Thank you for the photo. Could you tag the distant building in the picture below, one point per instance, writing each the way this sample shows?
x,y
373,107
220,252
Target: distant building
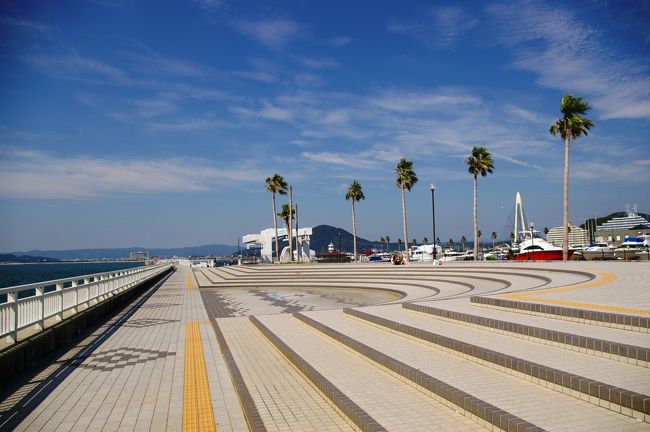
x,y
139,256
617,229
577,236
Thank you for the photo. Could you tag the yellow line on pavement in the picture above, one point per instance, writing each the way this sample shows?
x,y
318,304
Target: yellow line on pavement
x,y
189,280
197,402
604,278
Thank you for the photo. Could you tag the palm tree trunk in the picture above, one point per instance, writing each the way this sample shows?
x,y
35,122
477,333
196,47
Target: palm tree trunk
x,y
475,219
354,230
565,231
275,225
290,223
406,243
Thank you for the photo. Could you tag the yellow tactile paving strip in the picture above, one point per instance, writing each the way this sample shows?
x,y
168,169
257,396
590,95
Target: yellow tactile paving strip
x,y
604,278
197,403
190,284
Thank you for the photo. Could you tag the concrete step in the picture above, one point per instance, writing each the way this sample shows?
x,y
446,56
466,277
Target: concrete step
x,y
280,393
373,398
595,317
627,347
520,398
603,382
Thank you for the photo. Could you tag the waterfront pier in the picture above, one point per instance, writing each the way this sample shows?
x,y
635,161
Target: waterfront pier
x,y
372,347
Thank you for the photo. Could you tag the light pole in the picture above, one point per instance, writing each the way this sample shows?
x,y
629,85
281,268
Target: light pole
x,y
433,217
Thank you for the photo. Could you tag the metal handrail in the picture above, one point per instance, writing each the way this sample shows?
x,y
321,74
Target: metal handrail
x,y
42,309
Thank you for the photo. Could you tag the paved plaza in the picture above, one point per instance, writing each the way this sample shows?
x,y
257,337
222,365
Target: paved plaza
x,y
337,347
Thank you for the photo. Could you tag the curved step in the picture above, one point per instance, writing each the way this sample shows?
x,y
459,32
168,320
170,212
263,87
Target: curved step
x,y
562,370
279,391
358,389
577,340
616,320
521,398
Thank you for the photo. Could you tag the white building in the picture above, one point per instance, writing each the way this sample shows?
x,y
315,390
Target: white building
x,y
577,236
266,239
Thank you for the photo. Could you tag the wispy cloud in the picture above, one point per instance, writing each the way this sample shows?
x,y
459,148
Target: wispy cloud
x,y
318,63
256,76
569,55
77,67
440,28
272,33
155,64
341,159
340,41
26,24
37,175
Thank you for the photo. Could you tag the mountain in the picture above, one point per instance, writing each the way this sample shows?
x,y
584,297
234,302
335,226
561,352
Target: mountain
x,y
11,258
118,253
322,235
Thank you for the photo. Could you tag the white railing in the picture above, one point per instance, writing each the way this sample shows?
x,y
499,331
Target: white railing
x,y
52,301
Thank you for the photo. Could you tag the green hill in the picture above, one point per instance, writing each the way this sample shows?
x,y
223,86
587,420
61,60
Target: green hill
x,y
322,235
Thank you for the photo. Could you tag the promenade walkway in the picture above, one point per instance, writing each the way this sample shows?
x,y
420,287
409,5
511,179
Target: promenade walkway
x,y
465,346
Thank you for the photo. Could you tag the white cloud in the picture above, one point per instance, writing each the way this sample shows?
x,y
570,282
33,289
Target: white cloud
x,y
416,101
272,33
441,28
37,175
569,55
360,160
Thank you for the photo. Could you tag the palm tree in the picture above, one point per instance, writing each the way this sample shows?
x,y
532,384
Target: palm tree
x,y
425,240
462,242
437,240
387,244
381,242
451,244
406,178
399,244
276,184
479,235
494,237
571,125
478,162
545,230
354,193
285,215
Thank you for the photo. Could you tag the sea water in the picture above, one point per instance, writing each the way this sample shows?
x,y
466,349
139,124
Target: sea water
x,y
20,274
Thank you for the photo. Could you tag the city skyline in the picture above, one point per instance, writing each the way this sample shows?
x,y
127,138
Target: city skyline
x,y
144,123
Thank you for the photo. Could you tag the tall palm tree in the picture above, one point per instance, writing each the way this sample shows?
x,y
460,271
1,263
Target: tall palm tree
x,y
494,237
285,215
399,244
425,241
451,244
570,126
462,242
276,184
381,242
406,178
354,193
387,244
478,162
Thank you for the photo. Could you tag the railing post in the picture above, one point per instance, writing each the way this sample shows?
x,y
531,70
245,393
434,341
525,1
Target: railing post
x,y
40,292
12,297
75,286
59,313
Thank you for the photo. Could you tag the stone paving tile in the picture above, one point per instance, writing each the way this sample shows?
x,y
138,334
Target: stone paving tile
x,y
518,397
280,392
134,379
394,404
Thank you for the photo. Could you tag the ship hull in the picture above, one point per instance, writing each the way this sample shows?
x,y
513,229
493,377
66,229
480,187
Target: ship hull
x,y
542,255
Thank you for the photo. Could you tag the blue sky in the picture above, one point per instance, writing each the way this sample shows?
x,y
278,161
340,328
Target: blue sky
x,y
155,123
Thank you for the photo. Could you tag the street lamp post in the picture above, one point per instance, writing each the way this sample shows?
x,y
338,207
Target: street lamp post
x,y
433,217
